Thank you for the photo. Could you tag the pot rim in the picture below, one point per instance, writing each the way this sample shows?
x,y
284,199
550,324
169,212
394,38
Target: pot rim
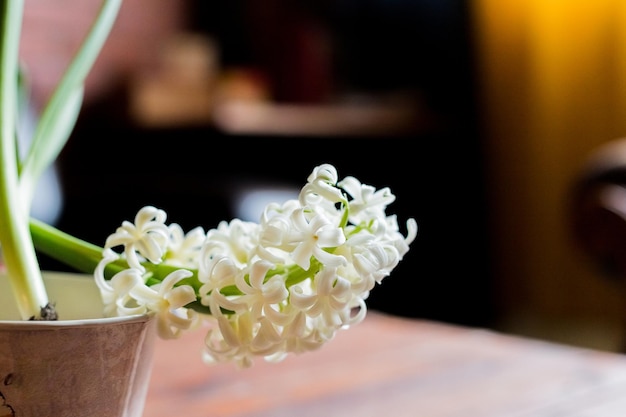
x,y
34,324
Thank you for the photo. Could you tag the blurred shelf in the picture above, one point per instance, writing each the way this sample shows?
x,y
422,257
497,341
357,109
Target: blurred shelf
x,y
319,120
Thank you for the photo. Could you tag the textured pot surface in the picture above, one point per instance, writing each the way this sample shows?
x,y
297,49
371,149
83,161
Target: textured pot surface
x,y
82,365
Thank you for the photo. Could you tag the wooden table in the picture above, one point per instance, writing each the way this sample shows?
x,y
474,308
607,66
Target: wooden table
x,y
394,367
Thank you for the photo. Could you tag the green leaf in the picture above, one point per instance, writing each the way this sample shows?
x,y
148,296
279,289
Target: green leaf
x,y
17,247
60,113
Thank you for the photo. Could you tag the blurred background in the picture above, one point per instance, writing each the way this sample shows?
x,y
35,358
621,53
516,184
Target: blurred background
x,y
477,114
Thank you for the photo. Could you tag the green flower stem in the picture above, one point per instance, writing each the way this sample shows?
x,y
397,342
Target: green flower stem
x,y
73,252
295,274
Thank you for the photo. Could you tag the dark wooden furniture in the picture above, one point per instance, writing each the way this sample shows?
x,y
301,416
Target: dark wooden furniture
x,y
389,366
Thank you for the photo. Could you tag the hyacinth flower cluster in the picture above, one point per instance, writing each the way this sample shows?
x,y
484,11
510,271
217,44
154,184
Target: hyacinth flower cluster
x,y
283,285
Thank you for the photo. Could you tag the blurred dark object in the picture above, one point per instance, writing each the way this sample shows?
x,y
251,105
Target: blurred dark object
x,y
598,213
598,209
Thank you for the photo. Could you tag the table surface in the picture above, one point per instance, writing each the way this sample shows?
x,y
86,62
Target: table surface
x,y
390,366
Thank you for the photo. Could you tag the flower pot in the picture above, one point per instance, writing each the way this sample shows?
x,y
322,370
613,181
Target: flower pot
x,y
82,365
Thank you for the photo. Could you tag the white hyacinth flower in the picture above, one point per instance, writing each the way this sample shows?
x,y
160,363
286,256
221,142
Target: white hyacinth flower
x,y
148,237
